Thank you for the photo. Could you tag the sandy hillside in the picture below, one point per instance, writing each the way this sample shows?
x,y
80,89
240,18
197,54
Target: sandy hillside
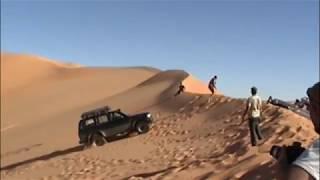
x,y
190,139
31,83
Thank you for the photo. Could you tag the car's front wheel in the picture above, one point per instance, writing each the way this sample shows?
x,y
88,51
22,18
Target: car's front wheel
x,y
142,127
98,140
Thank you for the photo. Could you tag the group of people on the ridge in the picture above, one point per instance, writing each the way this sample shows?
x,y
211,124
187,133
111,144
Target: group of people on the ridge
x,y
305,165
279,102
299,103
302,102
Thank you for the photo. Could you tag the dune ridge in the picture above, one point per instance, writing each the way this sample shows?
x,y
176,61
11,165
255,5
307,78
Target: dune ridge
x,y
194,85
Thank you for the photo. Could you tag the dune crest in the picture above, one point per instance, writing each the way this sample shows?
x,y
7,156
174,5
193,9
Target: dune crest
x,y
34,59
194,85
18,70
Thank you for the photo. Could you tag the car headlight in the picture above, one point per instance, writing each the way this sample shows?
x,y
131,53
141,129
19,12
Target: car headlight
x,y
148,115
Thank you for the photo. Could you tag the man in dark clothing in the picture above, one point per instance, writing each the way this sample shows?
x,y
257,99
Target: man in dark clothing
x,y
212,86
180,90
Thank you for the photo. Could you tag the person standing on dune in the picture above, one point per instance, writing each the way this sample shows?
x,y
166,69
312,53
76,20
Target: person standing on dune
x,y
254,106
212,86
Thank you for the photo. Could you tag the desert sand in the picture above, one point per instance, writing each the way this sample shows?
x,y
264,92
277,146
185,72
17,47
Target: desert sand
x,y
41,103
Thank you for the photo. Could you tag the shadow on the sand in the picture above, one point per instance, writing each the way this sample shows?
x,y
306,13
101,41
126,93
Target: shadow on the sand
x,y
61,153
264,172
21,150
146,175
44,157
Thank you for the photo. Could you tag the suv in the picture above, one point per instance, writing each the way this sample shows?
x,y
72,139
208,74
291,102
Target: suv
x,y
97,125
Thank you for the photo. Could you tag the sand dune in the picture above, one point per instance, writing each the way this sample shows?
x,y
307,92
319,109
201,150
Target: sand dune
x,y
19,70
190,138
29,84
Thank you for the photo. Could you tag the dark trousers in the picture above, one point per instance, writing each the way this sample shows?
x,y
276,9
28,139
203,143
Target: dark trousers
x,y
211,88
255,132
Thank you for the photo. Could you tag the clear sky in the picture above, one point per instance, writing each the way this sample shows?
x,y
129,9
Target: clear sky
x,y
272,45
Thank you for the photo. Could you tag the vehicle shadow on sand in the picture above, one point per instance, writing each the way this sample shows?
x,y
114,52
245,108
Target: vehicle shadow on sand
x,y
44,157
149,174
264,172
64,152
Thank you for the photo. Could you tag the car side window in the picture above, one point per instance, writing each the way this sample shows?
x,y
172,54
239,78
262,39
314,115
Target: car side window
x,y
103,119
89,122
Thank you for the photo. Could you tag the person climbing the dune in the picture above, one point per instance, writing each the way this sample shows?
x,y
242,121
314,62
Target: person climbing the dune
x,y
253,107
180,90
212,86
306,165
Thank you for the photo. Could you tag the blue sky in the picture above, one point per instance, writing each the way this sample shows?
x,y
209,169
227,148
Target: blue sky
x,y
272,45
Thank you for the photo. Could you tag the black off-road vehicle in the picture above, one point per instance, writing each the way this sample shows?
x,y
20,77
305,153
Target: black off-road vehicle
x,y
96,126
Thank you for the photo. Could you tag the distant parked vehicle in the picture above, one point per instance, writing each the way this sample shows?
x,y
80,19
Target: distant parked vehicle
x,y
96,126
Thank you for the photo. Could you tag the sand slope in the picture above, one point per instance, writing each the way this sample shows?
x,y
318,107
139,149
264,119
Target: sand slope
x,y
30,84
190,138
19,70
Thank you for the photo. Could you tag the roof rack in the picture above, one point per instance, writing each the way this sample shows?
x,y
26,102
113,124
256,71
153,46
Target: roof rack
x,y
95,112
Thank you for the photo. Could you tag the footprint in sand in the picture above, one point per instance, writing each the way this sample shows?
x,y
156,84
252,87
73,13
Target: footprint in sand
x,y
182,109
194,99
211,104
228,162
8,127
299,129
195,108
240,174
191,102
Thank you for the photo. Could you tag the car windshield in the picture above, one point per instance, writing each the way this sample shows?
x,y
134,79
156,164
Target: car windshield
x,y
116,115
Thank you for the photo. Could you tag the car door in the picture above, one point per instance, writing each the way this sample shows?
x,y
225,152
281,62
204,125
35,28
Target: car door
x,y
86,127
119,123
104,122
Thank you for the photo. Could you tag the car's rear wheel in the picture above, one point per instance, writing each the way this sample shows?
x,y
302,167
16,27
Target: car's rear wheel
x,y
142,127
98,140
